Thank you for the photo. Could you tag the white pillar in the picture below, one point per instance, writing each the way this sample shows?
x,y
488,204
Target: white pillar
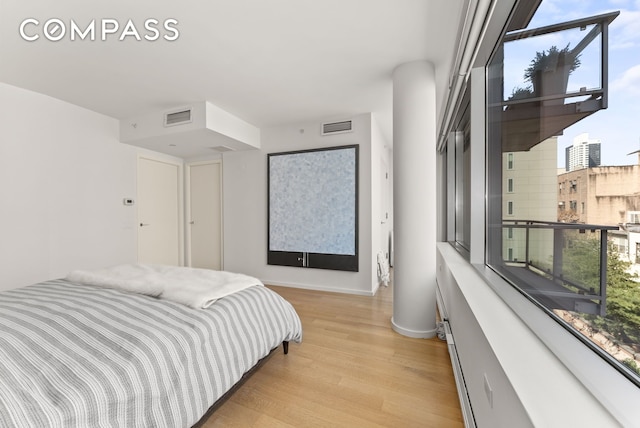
x,y
415,197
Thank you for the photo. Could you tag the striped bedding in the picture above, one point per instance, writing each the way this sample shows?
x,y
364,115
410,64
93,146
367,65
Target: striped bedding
x,y
75,355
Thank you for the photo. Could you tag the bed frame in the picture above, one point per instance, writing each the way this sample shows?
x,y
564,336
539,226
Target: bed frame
x,y
243,379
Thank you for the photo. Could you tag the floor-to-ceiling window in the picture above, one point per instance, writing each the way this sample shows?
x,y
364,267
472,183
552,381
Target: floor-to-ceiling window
x,y
562,84
549,87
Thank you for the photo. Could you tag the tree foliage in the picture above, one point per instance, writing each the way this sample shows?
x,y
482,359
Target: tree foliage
x,y
632,365
582,264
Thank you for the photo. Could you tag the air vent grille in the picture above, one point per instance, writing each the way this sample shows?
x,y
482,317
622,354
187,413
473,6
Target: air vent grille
x,y
337,127
221,149
177,118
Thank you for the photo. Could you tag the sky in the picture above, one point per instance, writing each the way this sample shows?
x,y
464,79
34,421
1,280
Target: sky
x,y
617,127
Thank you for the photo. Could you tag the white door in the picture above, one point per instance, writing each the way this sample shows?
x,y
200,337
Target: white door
x,y
158,212
205,210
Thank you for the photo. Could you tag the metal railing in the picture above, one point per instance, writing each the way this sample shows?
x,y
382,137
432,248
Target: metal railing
x,y
600,28
554,282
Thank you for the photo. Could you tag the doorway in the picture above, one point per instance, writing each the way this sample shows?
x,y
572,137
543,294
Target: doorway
x,y
159,219
204,228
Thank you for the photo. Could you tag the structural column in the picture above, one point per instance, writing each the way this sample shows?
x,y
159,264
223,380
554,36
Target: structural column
x,y
414,193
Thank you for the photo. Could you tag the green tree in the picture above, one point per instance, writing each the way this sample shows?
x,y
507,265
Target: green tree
x,y
582,265
581,260
632,365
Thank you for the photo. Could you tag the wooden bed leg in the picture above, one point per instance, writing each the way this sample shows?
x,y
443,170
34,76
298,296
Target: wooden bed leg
x,y
285,346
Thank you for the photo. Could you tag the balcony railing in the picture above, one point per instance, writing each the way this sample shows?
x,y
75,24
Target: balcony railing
x,y
535,256
563,84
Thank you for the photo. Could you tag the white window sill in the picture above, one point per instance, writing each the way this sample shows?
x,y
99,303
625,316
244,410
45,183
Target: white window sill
x,y
559,381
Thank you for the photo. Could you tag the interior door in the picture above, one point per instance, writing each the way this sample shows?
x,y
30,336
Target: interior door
x,y
205,210
158,212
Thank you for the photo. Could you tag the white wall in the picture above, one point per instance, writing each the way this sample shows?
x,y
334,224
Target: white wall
x,y
381,226
476,355
63,175
245,207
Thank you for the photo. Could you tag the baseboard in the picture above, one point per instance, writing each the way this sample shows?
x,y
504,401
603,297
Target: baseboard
x,y
463,395
320,288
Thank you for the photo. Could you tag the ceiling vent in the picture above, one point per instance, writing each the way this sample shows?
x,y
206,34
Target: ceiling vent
x,y
337,127
221,149
178,117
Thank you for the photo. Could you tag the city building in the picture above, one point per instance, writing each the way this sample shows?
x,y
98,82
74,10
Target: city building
x,y
529,193
584,153
602,195
608,196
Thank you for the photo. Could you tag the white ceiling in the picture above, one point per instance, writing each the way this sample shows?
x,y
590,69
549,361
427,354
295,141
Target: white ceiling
x,y
268,62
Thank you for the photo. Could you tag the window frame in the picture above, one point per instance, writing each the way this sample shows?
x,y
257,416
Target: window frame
x,y
494,95
611,388
459,138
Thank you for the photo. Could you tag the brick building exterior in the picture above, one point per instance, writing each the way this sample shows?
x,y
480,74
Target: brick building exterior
x,y
601,195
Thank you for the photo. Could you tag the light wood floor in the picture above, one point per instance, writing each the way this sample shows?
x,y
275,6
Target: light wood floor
x,y
351,370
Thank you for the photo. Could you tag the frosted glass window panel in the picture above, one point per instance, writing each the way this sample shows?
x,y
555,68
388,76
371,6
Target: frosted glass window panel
x,y
312,201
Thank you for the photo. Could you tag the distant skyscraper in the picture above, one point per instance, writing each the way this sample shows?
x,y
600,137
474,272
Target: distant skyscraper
x,y
584,153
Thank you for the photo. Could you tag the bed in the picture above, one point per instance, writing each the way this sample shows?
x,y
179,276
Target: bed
x,y
76,354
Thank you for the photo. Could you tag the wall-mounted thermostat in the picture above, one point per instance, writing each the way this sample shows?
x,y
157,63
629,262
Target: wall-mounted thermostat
x,y
127,201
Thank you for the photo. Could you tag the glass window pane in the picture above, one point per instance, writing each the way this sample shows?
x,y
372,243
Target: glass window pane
x,y
462,140
559,223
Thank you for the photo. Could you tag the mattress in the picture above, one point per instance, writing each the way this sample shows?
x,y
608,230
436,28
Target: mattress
x,y
75,355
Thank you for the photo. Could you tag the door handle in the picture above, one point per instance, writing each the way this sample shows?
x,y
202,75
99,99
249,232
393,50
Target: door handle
x,y
144,224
